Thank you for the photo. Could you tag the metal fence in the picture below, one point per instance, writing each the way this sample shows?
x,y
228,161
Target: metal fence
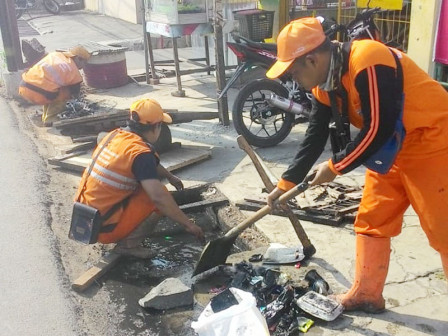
x,y
393,24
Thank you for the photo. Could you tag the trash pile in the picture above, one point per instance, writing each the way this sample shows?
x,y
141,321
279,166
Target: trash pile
x,y
76,108
287,308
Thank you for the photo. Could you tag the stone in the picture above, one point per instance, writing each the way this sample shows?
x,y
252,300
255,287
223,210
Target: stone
x,y
170,293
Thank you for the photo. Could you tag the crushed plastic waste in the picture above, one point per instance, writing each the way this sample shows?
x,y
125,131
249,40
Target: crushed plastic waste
x,y
316,282
277,297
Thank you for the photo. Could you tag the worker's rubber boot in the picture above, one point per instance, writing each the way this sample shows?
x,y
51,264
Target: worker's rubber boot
x,y
444,257
131,245
372,264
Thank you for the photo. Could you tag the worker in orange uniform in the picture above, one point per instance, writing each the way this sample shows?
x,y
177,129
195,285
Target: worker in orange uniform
x,y
127,173
54,80
402,117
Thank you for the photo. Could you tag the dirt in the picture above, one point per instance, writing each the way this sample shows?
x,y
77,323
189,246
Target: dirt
x,y
110,306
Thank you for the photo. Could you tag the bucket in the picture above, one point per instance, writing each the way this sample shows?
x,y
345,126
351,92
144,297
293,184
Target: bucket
x,y
106,70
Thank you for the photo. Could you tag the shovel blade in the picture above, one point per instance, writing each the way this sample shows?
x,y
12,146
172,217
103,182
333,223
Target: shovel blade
x,y
215,253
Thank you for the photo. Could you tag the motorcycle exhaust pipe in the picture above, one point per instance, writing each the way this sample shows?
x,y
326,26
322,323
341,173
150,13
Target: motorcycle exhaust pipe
x,y
286,105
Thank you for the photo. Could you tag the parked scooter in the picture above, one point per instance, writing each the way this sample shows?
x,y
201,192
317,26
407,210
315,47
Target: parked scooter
x,y
265,110
52,6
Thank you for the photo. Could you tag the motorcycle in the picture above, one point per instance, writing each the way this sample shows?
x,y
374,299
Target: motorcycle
x,y
52,6
265,110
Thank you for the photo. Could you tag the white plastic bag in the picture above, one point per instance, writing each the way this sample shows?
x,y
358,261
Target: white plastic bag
x,y
243,319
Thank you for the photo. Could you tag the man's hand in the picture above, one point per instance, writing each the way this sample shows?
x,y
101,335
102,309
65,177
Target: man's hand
x,y
273,196
196,231
175,182
323,174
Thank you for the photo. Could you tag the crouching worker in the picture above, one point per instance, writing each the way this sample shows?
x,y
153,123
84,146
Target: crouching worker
x,y
124,183
54,80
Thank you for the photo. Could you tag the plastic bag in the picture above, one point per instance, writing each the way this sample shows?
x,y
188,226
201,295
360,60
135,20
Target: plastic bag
x,y
242,319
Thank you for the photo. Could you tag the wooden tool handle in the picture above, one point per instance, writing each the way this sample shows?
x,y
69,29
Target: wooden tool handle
x,y
267,179
263,171
298,189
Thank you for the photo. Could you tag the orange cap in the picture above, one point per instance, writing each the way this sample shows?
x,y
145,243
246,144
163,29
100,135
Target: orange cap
x,y
79,51
149,112
298,38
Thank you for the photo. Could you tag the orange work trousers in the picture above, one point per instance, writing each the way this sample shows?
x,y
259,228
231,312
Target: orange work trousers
x,y
422,183
138,207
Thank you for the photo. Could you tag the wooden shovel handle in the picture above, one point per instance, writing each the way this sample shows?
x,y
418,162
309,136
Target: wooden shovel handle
x,y
263,171
298,189
268,179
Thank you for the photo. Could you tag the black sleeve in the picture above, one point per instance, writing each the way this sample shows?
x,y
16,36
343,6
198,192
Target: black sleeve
x,y
313,144
377,88
144,167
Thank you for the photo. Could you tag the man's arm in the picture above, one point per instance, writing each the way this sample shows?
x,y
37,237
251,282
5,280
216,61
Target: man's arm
x,y
173,179
146,170
313,144
165,203
309,151
377,88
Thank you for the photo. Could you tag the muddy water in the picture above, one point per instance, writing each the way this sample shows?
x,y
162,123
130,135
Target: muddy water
x,y
132,279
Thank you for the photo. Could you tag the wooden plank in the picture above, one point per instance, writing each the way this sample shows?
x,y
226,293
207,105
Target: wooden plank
x,y
79,147
95,272
123,115
195,206
303,215
172,160
88,138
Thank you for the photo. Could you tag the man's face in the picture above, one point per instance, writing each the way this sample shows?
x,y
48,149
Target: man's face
x,y
308,72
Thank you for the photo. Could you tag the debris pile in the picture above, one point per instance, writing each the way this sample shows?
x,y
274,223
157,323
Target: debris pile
x,y
288,307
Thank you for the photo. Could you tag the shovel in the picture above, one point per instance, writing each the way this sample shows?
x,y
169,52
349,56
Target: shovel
x,y
308,248
216,252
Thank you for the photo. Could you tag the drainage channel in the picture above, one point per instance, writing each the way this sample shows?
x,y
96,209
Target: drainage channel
x,y
131,279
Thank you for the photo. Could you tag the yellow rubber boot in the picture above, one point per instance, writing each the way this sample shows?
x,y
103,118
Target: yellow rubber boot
x,y
50,111
444,257
372,264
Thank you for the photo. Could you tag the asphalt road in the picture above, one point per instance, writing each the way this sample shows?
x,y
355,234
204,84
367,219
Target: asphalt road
x,y
33,297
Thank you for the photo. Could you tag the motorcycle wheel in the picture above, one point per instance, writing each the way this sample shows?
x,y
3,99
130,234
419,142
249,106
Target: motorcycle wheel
x,y
253,118
52,6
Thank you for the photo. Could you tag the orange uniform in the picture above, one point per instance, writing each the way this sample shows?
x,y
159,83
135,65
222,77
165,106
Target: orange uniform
x,y
111,181
418,176
48,80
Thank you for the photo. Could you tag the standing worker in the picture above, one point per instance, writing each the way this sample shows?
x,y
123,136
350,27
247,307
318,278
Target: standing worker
x,y
377,90
54,80
127,173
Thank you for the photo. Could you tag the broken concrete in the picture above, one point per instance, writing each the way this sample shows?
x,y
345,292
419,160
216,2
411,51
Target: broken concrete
x,y
170,293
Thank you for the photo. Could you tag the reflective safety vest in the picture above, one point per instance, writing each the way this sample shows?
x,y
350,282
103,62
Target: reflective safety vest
x,y
41,83
111,179
425,115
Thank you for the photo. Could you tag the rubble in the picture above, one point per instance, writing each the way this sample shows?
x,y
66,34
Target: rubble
x,y
170,293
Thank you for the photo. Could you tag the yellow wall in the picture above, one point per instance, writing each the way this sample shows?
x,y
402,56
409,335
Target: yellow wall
x,y
424,16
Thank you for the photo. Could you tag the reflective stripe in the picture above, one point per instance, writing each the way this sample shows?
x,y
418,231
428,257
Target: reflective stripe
x,y
117,176
53,74
111,183
105,162
108,151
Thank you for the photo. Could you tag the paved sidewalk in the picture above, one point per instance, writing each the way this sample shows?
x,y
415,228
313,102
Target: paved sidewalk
x,y
416,291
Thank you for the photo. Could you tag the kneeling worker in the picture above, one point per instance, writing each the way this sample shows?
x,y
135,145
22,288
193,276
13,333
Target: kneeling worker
x,y
54,80
127,173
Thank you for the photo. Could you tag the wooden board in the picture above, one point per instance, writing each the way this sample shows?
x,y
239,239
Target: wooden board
x,y
176,158
303,215
123,115
95,272
192,207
